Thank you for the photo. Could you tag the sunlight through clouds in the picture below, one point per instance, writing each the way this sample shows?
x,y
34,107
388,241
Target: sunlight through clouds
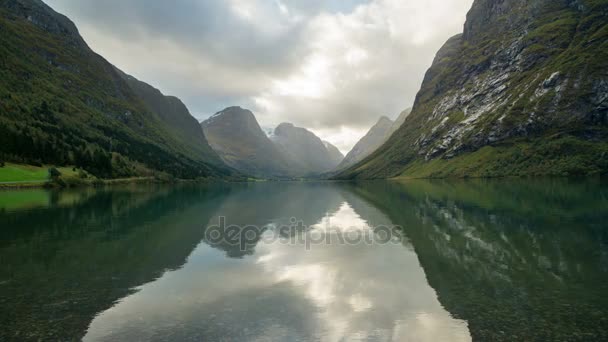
x,y
331,66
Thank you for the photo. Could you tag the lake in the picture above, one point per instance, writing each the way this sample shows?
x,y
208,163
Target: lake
x,y
482,260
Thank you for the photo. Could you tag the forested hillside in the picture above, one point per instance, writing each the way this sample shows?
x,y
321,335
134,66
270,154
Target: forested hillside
x,y
61,103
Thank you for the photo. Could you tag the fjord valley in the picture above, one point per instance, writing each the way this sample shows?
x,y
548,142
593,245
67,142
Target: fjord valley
x,y
312,207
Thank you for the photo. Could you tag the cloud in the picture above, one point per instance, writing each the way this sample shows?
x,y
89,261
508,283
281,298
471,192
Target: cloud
x,y
333,66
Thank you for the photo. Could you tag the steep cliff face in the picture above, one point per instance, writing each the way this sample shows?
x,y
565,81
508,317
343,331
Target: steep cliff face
x,y
524,90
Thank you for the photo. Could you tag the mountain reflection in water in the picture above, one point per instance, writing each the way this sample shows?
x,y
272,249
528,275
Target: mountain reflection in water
x,y
481,260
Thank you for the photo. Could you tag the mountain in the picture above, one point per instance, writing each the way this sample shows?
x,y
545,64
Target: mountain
x,y
175,115
374,138
287,152
335,155
61,103
305,148
399,122
521,92
234,133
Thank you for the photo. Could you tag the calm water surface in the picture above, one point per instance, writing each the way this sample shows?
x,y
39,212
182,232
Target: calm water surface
x,y
381,261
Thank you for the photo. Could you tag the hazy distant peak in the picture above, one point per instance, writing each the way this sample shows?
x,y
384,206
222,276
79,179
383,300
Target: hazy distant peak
x,y
374,138
400,120
234,110
335,154
284,127
403,115
234,114
268,131
384,119
306,148
237,137
287,130
383,122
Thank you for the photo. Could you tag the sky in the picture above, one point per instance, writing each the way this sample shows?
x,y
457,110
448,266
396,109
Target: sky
x,y
332,66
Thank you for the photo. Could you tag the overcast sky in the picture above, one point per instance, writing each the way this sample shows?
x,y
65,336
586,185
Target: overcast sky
x,y
332,66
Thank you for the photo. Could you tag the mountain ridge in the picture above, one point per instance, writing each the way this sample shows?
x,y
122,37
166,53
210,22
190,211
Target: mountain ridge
x,y
369,143
518,93
304,147
335,154
237,137
373,139
174,113
288,152
63,104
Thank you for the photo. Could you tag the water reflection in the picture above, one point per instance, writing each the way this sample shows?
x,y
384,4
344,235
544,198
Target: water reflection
x,y
482,260
61,264
288,292
517,259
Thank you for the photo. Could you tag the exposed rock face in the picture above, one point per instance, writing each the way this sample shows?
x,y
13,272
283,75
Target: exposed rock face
x,y
523,69
42,16
305,148
335,155
236,136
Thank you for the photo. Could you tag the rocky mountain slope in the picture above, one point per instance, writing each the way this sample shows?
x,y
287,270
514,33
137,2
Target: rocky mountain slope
x,y
61,103
523,91
373,140
305,148
399,121
236,136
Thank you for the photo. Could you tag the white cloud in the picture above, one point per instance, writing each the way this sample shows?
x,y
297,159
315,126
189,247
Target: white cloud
x,y
362,65
331,66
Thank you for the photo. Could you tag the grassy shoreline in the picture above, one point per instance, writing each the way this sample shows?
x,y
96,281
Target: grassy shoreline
x,y
22,176
76,183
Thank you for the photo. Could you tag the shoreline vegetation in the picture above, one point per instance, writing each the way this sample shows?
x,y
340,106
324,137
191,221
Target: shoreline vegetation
x,y
25,176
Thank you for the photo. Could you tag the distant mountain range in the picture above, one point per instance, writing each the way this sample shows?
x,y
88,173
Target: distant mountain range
x,y
288,152
523,91
238,139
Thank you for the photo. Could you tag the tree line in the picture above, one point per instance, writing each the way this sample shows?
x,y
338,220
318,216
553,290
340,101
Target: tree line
x,y
44,134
